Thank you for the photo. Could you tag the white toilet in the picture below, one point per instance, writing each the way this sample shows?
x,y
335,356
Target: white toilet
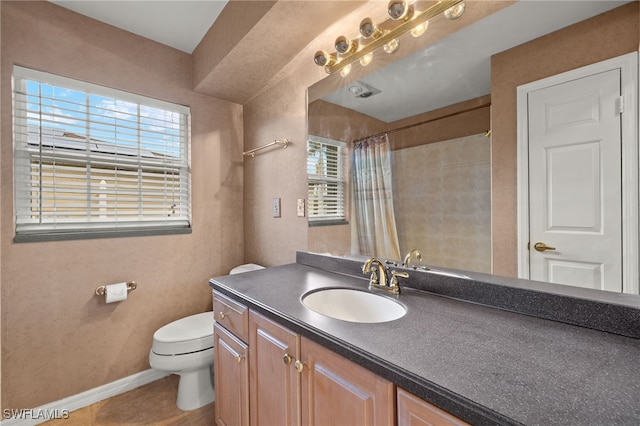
x,y
185,347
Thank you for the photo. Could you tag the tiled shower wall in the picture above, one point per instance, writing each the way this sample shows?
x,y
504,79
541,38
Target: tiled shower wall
x,y
442,196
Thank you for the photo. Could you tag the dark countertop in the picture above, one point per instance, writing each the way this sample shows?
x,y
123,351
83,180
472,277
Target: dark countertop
x,y
482,364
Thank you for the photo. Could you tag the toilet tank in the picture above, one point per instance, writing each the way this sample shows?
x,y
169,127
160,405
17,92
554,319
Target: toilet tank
x,y
247,267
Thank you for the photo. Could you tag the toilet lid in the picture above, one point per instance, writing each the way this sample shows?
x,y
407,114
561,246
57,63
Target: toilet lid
x,y
190,334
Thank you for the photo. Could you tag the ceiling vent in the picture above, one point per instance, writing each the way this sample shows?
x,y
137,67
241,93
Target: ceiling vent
x,y
361,90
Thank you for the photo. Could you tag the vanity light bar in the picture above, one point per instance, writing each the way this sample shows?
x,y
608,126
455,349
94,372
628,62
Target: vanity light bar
x,y
339,61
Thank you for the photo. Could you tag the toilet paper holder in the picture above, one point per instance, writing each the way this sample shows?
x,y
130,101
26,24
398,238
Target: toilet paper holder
x,y
131,285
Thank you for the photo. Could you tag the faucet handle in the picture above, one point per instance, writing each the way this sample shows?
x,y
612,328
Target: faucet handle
x,y
394,278
374,277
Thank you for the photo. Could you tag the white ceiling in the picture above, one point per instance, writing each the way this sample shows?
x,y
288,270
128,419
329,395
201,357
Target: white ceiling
x,y
458,68
179,24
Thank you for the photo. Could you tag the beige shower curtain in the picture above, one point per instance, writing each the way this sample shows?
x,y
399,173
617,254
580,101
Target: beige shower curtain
x,y
374,232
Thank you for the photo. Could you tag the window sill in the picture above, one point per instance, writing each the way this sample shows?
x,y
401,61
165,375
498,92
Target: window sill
x,y
328,222
33,237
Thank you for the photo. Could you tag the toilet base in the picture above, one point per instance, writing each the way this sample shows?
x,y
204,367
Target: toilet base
x,y
195,389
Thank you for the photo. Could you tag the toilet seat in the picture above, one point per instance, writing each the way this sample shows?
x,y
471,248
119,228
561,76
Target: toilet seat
x,y
186,335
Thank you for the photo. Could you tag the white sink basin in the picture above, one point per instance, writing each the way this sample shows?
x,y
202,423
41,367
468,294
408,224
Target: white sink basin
x,y
353,305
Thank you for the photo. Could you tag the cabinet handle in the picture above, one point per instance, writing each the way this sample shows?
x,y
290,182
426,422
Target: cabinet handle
x,y
287,359
222,315
299,366
239,358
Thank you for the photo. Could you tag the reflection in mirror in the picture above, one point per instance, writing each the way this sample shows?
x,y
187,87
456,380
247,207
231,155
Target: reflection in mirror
x,y
449,112
327,171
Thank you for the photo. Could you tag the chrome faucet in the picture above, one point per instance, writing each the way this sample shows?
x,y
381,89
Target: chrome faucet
x,y
407,258
392,286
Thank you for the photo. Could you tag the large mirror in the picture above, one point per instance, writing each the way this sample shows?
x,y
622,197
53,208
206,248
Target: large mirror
x,y
449,112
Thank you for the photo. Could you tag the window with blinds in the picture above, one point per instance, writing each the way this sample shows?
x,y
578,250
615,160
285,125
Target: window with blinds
x,y
325,181
92,161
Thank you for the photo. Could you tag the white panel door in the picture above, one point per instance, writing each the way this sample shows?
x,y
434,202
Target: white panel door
x,y
575,196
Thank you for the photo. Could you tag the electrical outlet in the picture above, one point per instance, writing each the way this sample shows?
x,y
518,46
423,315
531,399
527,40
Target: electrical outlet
x,y
276,207
301,207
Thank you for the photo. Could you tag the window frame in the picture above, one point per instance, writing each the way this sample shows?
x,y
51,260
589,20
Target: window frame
x,y
169,168
342,172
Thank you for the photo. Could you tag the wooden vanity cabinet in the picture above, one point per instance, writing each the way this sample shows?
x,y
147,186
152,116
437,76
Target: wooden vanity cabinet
x,y
231,379
336,391
414,411
294,381
282,378
274,389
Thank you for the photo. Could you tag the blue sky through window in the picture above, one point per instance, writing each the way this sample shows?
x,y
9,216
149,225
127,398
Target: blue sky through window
x,y
122,125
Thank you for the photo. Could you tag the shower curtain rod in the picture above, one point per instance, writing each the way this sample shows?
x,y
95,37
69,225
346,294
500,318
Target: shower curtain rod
x,y
453,114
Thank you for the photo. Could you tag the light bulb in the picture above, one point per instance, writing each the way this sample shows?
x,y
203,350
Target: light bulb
x,y
419,29
345,46
454,12
366,59
345,70
368,28
400,9
322,58
392,46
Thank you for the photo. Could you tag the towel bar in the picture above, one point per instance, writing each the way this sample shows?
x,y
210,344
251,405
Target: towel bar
x,y
282,142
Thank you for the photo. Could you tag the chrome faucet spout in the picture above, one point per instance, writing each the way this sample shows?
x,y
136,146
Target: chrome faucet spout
x,y
407,259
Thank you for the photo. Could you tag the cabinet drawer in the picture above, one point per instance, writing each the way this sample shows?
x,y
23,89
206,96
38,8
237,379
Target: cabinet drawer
x,y
232,315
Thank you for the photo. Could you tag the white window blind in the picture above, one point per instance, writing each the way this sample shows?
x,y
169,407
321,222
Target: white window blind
x,y
93,161
325,180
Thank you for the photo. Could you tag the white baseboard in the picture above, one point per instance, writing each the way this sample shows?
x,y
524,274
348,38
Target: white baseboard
x,y
66,405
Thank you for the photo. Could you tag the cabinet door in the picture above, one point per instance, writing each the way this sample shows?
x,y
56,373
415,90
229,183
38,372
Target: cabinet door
x,y
274,382
414,411
336,391
231,379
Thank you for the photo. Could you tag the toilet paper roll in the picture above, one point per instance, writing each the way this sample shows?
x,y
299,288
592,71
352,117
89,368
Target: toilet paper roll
x,y
115,292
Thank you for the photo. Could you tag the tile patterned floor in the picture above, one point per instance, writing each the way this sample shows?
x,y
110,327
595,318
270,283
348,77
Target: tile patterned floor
x,y
152,404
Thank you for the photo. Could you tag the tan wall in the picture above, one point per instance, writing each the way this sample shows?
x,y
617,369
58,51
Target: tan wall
x,y
58,339
442,197
603,37
275,173
1,215
343,124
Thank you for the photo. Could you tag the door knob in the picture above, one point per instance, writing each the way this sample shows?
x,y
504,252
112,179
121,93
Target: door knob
x,y
542,247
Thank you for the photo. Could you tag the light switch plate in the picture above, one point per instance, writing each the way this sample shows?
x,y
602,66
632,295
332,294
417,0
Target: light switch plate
x,y
300,206
276,207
